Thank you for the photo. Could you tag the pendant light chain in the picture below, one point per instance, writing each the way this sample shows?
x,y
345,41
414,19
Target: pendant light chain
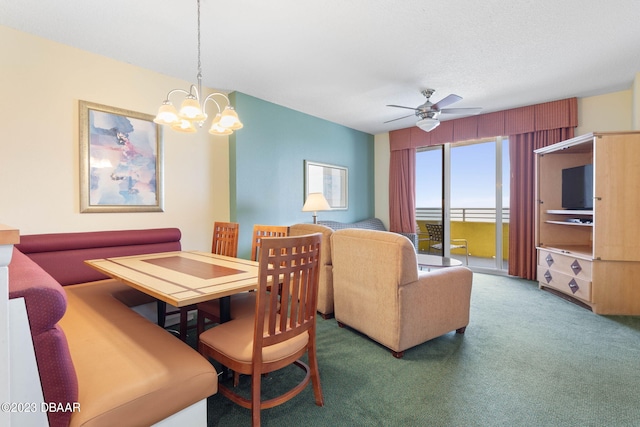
x,y
199,62
192,111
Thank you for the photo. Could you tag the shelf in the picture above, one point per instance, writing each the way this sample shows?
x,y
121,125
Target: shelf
x,y
579,224
580,251
570,212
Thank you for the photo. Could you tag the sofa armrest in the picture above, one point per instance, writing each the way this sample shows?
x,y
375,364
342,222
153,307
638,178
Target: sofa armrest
x,y
439,302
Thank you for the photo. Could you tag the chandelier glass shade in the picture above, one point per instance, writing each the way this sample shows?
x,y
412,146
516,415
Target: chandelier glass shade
x,y
428,124
193,108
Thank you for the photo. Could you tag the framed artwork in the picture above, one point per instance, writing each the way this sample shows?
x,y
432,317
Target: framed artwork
x,y
121,158
330,180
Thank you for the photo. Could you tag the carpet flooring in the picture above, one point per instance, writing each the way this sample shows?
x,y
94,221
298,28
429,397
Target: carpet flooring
x,y
528,358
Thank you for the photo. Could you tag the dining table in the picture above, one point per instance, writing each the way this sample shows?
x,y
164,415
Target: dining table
x,y
183,278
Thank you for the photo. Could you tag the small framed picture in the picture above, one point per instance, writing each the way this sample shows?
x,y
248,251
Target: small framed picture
x,y
330,180
121,159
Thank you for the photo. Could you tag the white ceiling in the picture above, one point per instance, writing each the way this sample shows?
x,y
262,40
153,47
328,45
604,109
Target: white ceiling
x,y
345,60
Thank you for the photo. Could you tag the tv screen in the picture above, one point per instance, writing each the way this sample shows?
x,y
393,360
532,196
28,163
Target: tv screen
x,y
577,187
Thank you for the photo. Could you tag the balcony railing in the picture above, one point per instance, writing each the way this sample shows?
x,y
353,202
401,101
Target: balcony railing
x,y
462,214
478,227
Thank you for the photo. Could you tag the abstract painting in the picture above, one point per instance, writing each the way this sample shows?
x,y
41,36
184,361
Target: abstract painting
x,y
120,160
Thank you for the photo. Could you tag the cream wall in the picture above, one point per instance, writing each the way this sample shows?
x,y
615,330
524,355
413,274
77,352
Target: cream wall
x,y
608,112
41,83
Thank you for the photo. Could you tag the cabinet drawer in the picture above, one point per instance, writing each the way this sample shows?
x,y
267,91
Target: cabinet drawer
x,y
566,283
566,264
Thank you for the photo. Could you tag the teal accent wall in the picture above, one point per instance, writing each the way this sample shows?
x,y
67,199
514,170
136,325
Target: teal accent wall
x,y
267,166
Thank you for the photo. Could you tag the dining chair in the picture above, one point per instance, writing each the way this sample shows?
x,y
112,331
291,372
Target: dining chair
x,y
260,231
225,238
436,235
283,328
225,242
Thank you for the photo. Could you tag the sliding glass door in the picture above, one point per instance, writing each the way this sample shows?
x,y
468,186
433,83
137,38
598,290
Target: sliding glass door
x,y
465,187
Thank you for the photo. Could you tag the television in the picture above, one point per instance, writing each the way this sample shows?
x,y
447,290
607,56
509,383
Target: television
x,y
577,187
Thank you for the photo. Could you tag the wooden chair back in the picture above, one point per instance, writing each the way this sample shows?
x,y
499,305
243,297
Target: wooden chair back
x,y
280,316
261,231
276,333
225,238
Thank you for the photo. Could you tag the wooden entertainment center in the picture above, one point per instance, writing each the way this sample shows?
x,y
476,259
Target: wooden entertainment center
x,y
592,255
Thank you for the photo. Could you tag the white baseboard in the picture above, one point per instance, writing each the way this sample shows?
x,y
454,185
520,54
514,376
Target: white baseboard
x,y
194,415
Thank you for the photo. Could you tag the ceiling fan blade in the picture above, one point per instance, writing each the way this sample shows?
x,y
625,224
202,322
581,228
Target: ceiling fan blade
x,y
473,110
446,101
402,106
400,118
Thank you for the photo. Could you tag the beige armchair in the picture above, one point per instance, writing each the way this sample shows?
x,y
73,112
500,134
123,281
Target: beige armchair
x,y
325,287
379,291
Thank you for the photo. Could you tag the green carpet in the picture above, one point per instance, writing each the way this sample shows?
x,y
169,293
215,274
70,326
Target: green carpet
x,y
528,358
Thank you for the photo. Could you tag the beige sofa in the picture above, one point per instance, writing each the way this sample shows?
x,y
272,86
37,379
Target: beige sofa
x,y
325,287
379,291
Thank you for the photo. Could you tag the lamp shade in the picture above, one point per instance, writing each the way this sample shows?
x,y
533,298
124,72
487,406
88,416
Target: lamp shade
x,y
316,202
428,124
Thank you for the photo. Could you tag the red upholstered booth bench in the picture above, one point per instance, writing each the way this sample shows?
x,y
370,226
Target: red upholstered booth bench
x,y
91,347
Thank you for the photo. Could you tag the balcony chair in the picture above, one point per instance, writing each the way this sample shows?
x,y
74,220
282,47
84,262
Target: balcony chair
x,y
434,237
278,334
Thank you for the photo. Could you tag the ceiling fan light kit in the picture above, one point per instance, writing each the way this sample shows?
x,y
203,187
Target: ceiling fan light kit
x,y
429,112
428,124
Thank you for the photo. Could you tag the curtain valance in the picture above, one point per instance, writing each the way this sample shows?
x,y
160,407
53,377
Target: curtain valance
x,y
545,116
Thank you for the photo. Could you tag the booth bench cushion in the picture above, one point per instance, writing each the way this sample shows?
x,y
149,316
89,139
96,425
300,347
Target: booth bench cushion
x,y
148,374
90,347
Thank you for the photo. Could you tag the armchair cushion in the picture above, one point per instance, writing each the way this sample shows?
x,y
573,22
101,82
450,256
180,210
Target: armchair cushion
x,y
379,291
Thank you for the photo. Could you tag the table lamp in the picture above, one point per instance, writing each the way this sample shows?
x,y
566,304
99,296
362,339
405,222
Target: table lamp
x,y
315,202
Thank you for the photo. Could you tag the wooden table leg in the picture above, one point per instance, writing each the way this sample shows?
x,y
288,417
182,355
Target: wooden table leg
x,y
162,313
225,309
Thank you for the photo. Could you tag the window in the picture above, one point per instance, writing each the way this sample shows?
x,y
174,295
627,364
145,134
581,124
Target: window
x,y
465,186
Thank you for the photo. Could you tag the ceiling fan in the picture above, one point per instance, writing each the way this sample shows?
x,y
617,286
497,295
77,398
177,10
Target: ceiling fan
x,y
429,112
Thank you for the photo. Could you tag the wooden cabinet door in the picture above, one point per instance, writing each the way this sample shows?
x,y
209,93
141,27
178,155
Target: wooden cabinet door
x,y
617,197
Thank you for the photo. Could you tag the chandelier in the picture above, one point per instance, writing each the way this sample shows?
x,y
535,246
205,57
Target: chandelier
x,y
192,111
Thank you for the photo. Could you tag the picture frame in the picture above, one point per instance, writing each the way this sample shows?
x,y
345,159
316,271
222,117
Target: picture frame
x,y
121,160
330,180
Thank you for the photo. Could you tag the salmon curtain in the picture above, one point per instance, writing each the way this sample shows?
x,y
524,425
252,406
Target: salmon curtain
x,y
522,251
402,191
528,128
